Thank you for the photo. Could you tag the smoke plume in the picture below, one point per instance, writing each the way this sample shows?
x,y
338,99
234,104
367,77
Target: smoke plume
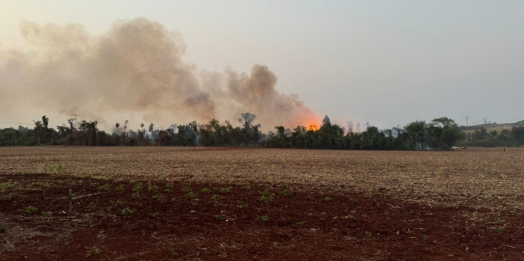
x,y
135,67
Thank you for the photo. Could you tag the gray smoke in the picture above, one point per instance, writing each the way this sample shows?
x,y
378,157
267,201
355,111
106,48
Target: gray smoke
x,y
350,126
135,67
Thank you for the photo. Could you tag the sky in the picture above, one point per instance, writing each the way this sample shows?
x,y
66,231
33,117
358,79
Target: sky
x,y
383,62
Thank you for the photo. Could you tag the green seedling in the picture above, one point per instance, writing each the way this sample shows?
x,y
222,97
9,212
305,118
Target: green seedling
x,y
264,218
221,216
160,198
217,199
153,188
94,250
287,192
191,194
225,190
31,209
127,211
266,196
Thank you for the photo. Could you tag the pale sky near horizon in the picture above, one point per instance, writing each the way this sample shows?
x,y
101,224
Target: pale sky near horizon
x,y
383,62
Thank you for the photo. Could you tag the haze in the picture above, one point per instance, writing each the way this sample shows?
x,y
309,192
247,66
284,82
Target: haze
x,y
383,62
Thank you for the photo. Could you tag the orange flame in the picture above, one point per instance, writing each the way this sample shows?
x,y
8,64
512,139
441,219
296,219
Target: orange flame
x,y
313,127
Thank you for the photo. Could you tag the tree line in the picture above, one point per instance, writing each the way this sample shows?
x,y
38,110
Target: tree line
x,y
481,137
438,134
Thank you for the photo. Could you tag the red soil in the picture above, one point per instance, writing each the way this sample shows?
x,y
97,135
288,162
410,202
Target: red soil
x,y
309,224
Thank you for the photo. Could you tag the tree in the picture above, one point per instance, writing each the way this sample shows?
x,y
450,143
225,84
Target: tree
x,y
417,135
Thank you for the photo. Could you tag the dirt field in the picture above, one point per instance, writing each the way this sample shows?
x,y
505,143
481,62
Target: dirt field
x,y
263,204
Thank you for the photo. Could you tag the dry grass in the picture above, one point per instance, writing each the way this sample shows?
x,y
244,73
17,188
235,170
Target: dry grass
x,y
487,176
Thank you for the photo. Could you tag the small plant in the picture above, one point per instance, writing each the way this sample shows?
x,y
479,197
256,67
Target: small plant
x,y
217,199
94,250
54,169
500,229
127,211
186,189
368,234
352,217
301,224
174,254
138,186
47,213
287,192
120,202
44,184
206,190
353,201
156,214
8,196
264,218
266,196
153,188
327,199
160,198
120,187
191,194
31,209
3,230
221,216
225,190
246,187
335,230
241,205
104,187
425,237
283,185
100,213
7,185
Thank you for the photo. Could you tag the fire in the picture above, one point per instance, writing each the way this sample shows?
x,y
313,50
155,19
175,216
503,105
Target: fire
x,y
312,121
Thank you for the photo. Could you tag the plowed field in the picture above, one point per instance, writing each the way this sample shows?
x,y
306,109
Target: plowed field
x,y
260,204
